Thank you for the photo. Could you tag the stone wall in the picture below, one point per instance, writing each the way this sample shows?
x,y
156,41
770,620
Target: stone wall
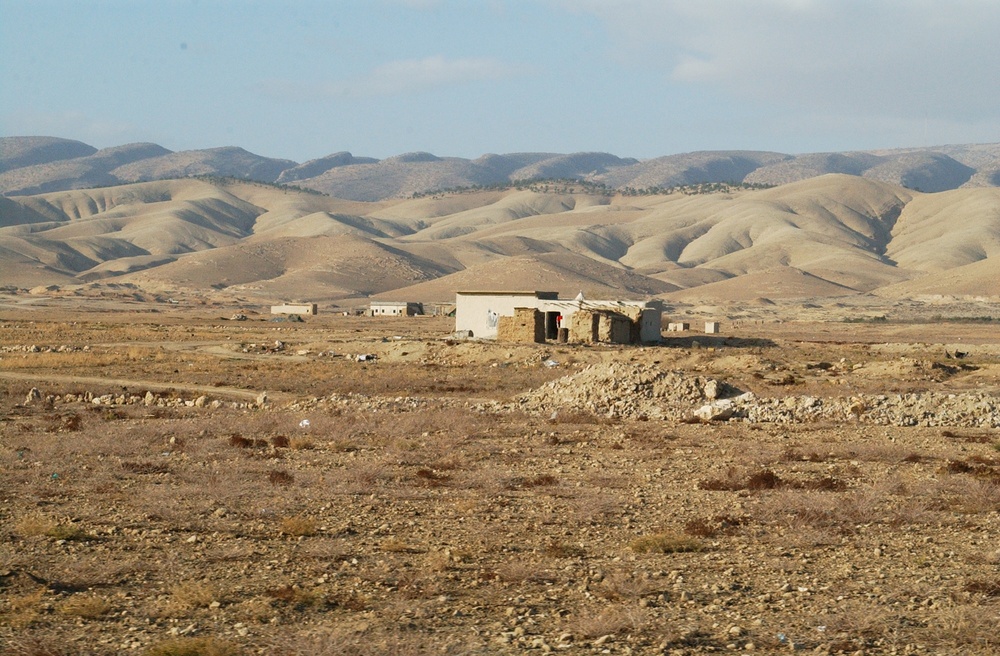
x,y
583,326
615,328
527,325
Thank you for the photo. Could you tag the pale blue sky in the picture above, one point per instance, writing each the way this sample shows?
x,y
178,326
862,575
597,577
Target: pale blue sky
x,y
641,78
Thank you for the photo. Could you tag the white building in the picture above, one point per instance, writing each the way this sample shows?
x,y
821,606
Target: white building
x,y
395,309
477,313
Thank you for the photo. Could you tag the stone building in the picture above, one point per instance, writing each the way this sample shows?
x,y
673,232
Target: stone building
x,y
480,314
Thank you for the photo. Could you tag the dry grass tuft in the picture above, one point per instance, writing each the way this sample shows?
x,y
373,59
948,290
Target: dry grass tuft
x,y
717,525
523,572
987,587
430,478
735,480
298,526
33,526
34,646
86,607
296,597
145,467
22,611
522,482
301,444
607,621
193,647
665,543
37,525
193,594
281,478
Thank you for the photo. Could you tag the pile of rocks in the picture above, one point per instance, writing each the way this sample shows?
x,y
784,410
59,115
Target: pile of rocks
x,y
35,348
967,409
148,399
630,391
366,402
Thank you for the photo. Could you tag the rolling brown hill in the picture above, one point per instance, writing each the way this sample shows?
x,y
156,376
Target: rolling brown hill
x,y
835,235
31,165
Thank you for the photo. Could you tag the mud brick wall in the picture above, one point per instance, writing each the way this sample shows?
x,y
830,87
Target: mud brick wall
x,y
615,328
583,326
527,325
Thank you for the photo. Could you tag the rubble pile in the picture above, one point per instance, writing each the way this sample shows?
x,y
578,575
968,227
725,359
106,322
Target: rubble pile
x,y
968,409
629,391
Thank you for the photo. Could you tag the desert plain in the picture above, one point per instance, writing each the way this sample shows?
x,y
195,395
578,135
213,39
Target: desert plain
x,y
177,481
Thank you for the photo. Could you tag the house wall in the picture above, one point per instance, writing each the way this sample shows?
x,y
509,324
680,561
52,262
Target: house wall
x,y
583,326
304,308
614,328
389,309
480,313
526,326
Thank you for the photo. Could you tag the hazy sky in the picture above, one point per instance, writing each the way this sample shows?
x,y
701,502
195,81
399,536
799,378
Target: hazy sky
x,y
301,79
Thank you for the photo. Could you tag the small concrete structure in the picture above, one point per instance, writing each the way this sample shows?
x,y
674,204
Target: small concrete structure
x,y
678,327
713,327
478,313
295,308
395,309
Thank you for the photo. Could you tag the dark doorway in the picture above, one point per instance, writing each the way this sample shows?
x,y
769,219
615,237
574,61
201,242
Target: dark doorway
x,y
551,325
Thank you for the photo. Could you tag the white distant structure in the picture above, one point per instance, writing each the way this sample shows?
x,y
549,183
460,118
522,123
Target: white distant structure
x,y
295,308
479,314
713,327
678,327
395,309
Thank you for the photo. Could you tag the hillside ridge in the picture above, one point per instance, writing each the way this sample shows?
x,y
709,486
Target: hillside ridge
x,y
32,165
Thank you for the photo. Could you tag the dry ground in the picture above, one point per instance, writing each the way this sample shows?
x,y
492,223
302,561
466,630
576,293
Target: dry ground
x,y
404,520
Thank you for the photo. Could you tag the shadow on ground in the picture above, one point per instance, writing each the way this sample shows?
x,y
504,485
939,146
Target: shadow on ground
x,y
710,341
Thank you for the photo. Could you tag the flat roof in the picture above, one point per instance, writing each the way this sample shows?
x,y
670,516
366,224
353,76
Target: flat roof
x,y
541,295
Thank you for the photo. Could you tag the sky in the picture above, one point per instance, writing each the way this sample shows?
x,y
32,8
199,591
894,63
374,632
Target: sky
x,y
301,79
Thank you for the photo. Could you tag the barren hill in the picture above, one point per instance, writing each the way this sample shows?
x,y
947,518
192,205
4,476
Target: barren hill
x,y
19,152
31,165
833,235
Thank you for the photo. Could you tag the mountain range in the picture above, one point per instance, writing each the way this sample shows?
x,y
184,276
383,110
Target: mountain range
x,y
33,165
831,235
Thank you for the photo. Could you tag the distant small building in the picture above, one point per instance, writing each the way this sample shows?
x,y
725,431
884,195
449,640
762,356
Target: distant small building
x,y
678,327
533,316
395,309
713,327
295,308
